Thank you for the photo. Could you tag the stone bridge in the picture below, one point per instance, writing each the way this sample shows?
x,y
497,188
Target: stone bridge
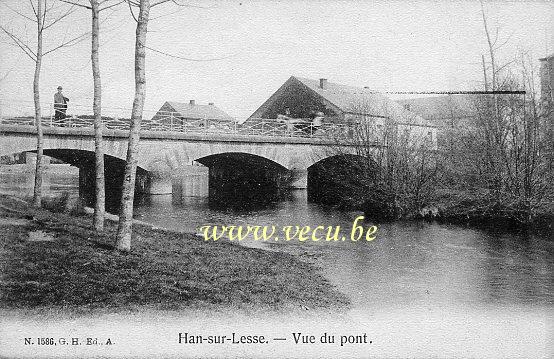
x,y
163,154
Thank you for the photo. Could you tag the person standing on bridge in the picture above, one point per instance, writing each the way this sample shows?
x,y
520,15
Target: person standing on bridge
x,y
60,104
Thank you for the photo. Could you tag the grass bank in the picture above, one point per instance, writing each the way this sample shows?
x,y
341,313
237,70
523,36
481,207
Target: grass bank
x,y
54,260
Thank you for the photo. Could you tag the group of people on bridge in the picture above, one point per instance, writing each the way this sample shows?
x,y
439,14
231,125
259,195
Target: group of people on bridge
x,y
310,125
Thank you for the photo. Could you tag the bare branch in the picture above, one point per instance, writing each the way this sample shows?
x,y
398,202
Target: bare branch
x,y
505,42
192,6
181,7
110,6
20,14
160,2
505,65
76,4
68,43
131,10
69,12
22,45
34,9
52,6
495,36
44,12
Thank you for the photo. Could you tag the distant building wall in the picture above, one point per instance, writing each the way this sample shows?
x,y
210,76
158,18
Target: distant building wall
x,y
547,78
547,86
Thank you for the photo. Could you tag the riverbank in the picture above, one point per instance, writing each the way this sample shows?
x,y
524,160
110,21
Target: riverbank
x,y
464,208
477,209
55,261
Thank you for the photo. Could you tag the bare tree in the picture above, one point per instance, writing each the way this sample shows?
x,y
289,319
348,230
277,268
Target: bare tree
x,y
96,6
40,16
99,205
500,166
393,169
124,229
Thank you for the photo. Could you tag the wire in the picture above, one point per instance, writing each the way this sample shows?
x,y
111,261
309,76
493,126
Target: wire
x,y
190,59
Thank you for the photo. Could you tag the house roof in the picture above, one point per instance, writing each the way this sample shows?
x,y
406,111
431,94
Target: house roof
x,y
441,107
195,111
361,101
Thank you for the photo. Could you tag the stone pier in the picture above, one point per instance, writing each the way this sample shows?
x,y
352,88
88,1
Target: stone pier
x,y
158,179
299,179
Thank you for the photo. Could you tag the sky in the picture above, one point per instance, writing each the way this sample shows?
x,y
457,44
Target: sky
x,y
243,51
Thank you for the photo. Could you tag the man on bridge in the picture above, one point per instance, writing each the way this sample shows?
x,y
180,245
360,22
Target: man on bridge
x,y
60,104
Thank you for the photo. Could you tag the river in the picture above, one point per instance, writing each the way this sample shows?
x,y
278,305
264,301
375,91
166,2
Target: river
x,y
497,282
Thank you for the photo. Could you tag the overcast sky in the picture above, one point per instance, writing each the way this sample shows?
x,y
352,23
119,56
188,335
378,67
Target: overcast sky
x,y
388,46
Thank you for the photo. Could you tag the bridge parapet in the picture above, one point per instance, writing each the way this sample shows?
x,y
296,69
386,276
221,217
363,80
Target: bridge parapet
x,y
171,123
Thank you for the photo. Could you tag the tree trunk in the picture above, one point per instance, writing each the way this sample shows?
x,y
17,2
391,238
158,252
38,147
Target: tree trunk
x,y
99,207
124,229
37,193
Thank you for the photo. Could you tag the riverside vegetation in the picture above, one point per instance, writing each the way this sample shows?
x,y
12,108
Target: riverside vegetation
x,y
494,161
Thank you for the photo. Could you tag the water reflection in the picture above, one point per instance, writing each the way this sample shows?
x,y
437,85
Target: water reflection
x,y
409,265
19,180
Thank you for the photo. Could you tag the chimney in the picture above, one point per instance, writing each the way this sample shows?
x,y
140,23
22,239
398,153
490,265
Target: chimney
x,y
192,102
323,83
211,103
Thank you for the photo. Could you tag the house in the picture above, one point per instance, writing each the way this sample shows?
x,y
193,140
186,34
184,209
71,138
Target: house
x,y
181,116
304,99
443,111
450,113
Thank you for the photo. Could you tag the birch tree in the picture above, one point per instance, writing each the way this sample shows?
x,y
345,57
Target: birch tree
x,y
124,230
96,6
99,203
128,188
44,16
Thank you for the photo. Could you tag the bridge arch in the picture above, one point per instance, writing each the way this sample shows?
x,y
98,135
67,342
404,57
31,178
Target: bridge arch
x,y
83,146
340,179
198,151
238,178
114,169
240,158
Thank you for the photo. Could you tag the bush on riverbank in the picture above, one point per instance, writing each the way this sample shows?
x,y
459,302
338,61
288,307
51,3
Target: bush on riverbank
x,y
55,260
479,206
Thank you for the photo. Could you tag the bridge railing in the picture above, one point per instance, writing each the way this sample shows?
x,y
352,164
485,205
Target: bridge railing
x,y
174,122
165,121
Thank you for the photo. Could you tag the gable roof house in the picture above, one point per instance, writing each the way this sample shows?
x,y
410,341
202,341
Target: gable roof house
x,y
339,103
300,98
179,116
452,114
